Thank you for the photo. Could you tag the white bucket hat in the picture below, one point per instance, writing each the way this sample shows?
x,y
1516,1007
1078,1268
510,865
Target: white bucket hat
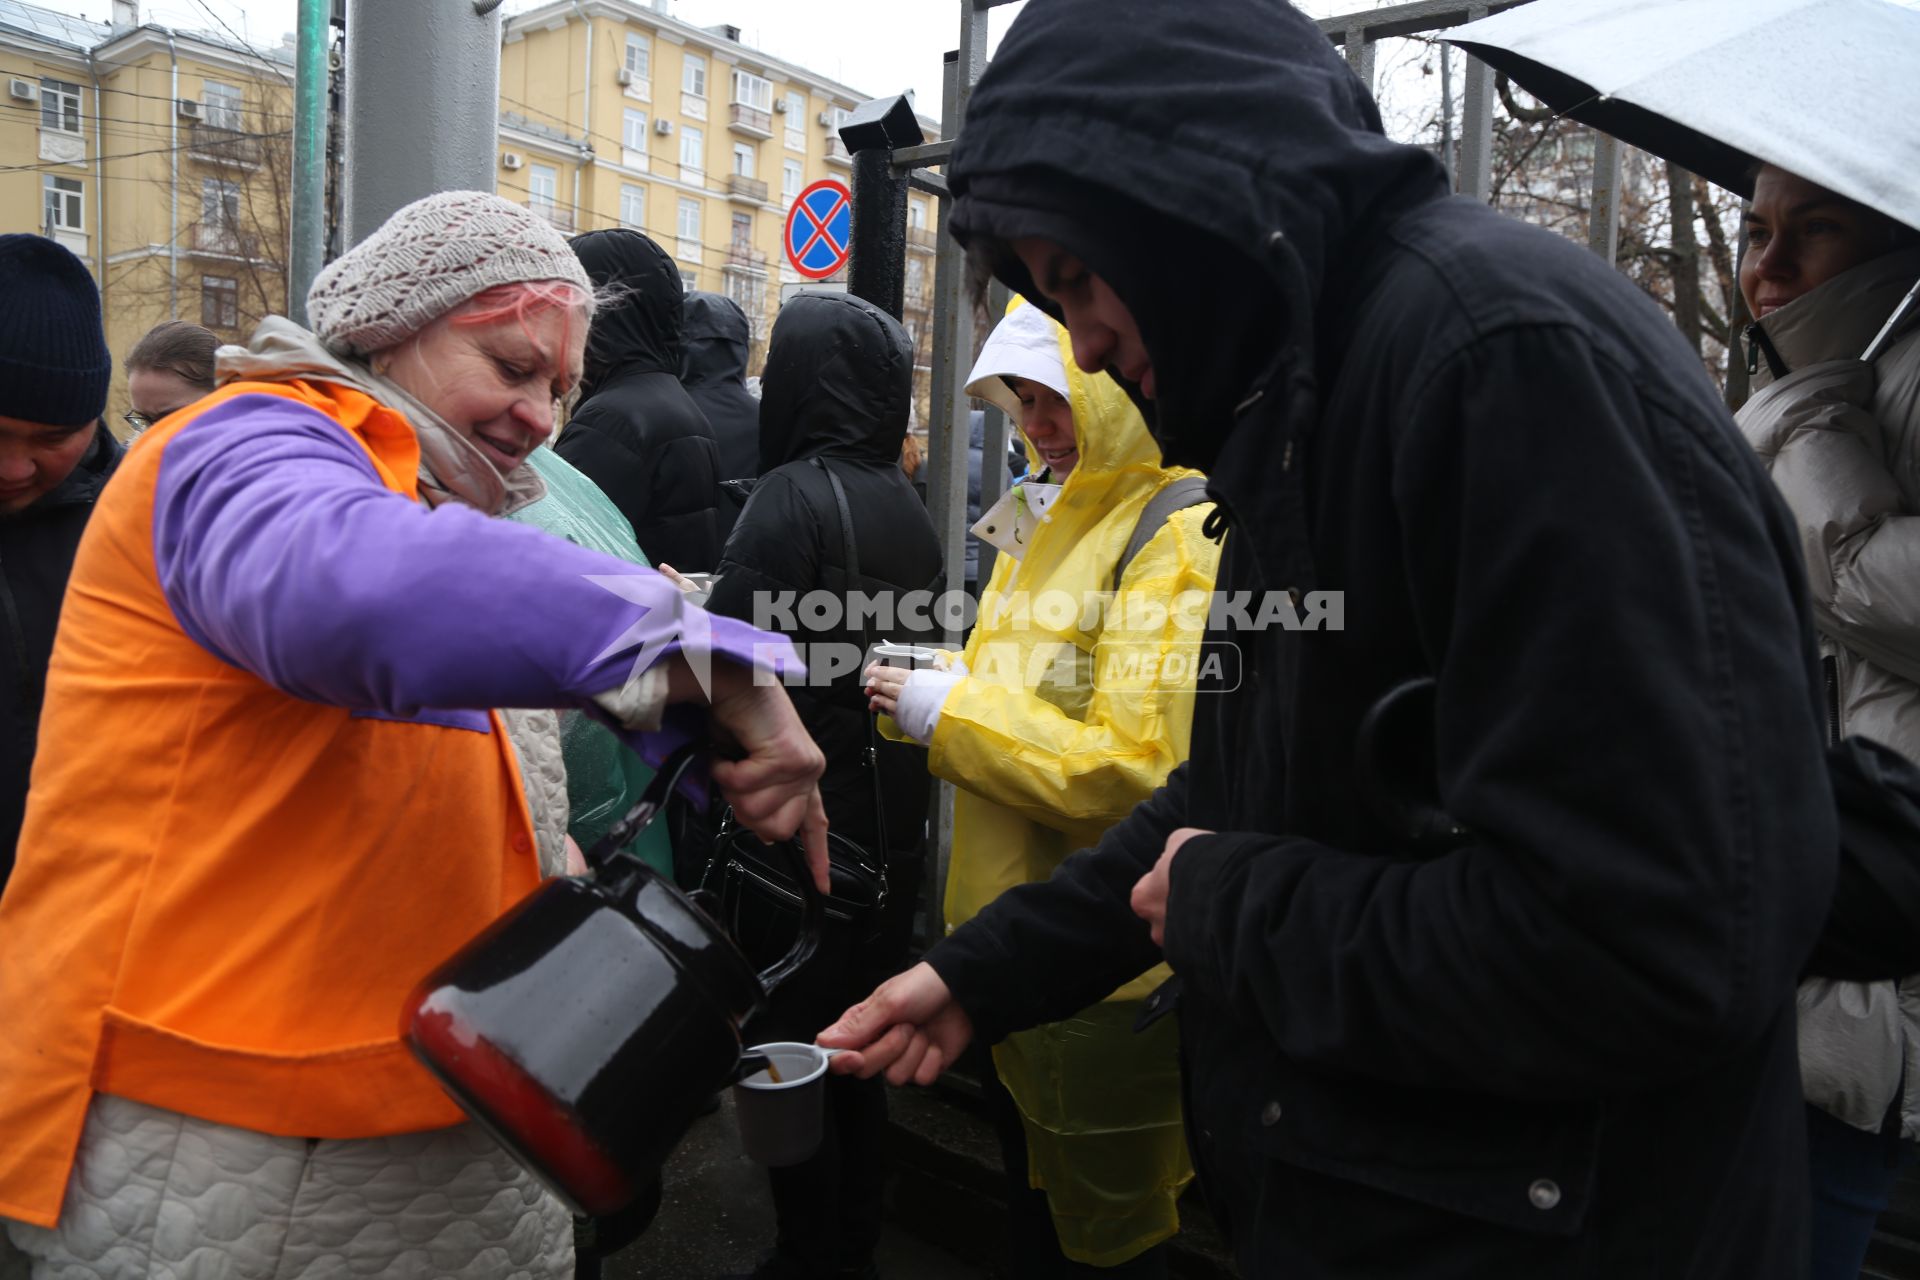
x,y
1026,344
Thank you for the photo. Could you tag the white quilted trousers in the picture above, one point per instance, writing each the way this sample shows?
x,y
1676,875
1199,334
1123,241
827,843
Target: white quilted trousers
x,y
159,1195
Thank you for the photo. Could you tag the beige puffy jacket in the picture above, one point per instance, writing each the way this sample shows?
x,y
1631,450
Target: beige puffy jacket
x,y
1842,441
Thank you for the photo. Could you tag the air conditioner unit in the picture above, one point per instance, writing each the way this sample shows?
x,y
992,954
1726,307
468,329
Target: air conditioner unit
x,y
24,90
189,109
511,160
663,127
780,106
624,76
826,117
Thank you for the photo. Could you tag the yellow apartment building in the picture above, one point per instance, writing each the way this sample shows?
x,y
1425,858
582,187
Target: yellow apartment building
x,y
163,157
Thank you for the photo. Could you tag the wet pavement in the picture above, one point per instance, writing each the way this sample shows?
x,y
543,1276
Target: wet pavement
x,y
716,1220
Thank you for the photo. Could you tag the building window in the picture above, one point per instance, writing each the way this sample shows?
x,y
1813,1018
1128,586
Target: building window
x,y
693,75
59,105
219,302
790,180
917,214
688,249
639,57
633,139
633,206
743,159
225,106
693,153
65,204
750,90
742,231
543,188
750,292
220,204
796,122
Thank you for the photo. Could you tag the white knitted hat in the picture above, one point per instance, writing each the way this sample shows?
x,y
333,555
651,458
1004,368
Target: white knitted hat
x,y
426,260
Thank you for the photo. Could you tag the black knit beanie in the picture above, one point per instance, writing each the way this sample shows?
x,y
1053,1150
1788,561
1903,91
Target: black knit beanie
x,y
54,366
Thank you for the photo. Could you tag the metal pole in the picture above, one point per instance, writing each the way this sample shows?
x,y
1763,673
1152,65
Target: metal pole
x,y
309,155
993,445
423,104
1448,160
1359,51
877,270
1476,132
1603,207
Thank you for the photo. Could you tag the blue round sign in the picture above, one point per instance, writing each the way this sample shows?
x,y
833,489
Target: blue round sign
x,y
820,229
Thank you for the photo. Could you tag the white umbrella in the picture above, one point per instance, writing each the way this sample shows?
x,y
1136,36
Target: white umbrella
x,y
1828,89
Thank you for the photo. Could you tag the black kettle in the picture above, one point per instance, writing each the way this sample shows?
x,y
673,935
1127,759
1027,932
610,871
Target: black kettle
x,y
586,1028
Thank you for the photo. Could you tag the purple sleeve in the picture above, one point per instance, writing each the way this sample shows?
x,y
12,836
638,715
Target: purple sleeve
x,y
280,550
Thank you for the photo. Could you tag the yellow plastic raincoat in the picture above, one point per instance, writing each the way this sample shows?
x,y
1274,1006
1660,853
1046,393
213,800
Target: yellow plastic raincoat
x,y
1078,705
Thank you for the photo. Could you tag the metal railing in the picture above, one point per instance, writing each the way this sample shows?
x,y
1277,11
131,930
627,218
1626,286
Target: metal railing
x,y
224,146
923,238
220,237
742,118
743,257
740,186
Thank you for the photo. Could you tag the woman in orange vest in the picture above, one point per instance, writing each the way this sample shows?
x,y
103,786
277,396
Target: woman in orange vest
x,y
271,794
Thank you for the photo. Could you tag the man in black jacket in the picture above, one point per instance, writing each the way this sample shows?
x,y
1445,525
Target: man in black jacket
x,y
636,432
55,456
713,368
1550,1034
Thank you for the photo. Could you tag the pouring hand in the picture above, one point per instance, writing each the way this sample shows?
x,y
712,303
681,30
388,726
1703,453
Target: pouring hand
x,y
773,788
910,1027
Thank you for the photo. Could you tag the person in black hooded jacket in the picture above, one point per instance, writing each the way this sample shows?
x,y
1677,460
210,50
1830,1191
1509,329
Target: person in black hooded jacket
x,y
713,369
636,432
835,394
1539,1020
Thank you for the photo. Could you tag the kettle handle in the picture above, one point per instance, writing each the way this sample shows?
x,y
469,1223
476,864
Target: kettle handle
x,y
652,801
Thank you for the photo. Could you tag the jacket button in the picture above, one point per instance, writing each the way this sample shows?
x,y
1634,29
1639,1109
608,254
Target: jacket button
x,y
520,843
1544,1194
1270,1114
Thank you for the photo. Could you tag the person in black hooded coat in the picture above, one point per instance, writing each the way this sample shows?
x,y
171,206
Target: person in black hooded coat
x,y
636,432
835,396
713,369
1553,1037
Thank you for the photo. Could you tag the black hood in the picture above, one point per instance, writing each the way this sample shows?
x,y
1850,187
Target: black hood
x,y
638,331
838,382
715,340
1217,164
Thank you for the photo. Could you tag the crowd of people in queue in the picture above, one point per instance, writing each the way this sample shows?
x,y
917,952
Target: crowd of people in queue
x,y
337,678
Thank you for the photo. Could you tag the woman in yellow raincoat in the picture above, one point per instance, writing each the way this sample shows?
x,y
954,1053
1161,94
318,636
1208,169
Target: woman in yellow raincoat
x,y
1072,701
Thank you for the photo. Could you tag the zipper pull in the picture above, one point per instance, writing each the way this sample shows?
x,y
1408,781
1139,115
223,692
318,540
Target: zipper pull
x,y
1753,351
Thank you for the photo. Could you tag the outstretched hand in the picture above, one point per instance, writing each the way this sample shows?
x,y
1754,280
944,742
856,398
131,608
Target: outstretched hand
x,y
910,1027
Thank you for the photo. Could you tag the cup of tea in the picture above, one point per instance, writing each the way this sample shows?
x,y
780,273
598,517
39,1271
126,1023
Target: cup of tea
x,y
780,1109
910,656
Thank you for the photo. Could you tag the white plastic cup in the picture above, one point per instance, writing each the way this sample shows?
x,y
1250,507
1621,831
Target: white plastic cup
x,y
781,1124
910,656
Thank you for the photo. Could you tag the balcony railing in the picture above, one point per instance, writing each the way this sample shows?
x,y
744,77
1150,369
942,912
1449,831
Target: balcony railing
x,y
742,257
837,150
751,121
559,217
223,146
923,238
218,237
740,187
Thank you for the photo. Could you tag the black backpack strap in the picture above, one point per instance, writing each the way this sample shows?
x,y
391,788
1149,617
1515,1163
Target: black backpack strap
x,y
851,550
1188,491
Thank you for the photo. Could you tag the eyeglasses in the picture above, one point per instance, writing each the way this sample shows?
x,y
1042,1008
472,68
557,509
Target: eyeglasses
x,y
137,420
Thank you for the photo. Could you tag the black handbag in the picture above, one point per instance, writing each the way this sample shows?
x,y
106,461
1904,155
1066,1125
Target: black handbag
x,y
760,905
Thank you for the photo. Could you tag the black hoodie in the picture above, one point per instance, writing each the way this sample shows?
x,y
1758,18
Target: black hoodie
x,y
1562,1043
636,431
838,382
713,368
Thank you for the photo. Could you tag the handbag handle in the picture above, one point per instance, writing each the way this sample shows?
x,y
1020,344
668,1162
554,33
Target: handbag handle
x,y
851,550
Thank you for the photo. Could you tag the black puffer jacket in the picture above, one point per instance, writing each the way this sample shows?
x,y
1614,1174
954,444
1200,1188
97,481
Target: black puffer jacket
x,y
1562,1045
713,368
636,431
838,381
36,556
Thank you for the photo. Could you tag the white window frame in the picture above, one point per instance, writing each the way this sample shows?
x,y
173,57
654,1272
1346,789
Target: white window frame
x,y
693,75
224,293
641,67
745,156
633,206
796,121
66,199
220,204
633,138
793,176
59,105
742,221
758,91
693,142
543,187
225,105
917,214
687,220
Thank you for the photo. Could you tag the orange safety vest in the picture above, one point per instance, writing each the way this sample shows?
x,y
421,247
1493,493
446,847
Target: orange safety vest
x,y
224,893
